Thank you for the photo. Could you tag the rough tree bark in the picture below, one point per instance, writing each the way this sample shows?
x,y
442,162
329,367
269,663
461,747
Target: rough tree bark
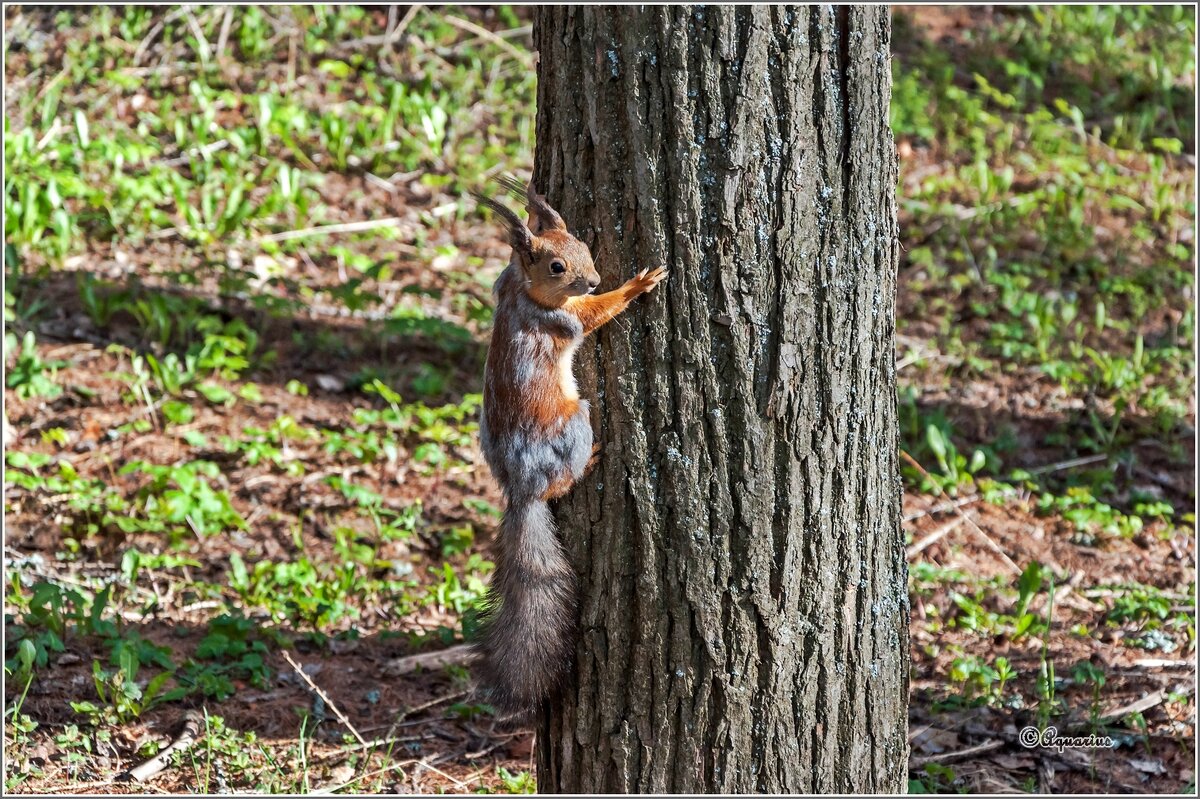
x,y
743,607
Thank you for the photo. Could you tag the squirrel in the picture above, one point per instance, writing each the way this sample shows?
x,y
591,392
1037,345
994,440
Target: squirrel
x,y
536,436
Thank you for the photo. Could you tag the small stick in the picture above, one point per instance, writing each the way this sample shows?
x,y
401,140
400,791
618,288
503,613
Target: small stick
x,y
933,537
398,31
412,711
187,737
379,182
484,33
942,757
368,775
1077,602
400,719
204,151
54,130
973,498
934,511
1144,472
223,36
428,660
154,31
345,227
1143,704
1103,592
291,63
378,743
913,733
485,751
312,685
198,32
388,37
1163,663
428,763
988,542
1069,464
82,788
515,33
924,355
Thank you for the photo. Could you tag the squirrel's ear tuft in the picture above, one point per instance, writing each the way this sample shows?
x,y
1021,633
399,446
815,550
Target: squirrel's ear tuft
x,y
541,215
519,236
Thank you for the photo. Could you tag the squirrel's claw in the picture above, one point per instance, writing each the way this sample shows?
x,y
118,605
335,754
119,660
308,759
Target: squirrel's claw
x,y
647,279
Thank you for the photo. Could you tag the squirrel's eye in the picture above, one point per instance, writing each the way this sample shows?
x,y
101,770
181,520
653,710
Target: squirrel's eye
x,y
557,267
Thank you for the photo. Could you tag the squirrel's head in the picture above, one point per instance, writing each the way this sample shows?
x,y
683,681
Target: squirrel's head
x,y
556,265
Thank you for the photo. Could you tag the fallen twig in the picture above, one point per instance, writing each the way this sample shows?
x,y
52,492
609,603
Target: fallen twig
x,y
1098,593
1069,464
1066,595
226,26
326,230
945,506
377,743
984,537
412,711
455,655
191,153
191,731
1159,479
942,757
380,183
387,38
923,355
428,763
973,498
198,32
1140,706
391,767
484,33
487,750
398,31
154,31
1163,663
54,130
324,697
937,534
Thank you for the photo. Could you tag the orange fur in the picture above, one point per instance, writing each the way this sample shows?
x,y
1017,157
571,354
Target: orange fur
x,y
559,488
594,310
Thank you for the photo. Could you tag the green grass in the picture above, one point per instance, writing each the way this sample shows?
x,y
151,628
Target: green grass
x,y
1047,214
274,425
119,153
1052,241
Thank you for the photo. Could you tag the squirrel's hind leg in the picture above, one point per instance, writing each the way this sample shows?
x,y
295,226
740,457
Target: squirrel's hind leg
x,y
559,487
592,461
575,469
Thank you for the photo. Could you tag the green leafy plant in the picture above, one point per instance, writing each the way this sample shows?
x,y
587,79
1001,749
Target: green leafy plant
x,y
122,698
29,375
179,498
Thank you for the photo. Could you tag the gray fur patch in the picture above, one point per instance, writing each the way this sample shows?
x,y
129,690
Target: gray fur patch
x,y
527,462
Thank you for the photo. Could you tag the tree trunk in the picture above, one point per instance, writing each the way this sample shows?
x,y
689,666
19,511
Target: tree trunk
x,y
743,604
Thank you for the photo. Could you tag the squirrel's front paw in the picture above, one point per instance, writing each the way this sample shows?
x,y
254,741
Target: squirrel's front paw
x,y
647,279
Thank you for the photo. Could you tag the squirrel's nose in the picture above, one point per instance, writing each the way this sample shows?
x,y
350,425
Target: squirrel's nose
x,y
593,282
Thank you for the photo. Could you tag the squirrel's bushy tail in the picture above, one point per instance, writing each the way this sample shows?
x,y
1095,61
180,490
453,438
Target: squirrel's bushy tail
x,y
527,640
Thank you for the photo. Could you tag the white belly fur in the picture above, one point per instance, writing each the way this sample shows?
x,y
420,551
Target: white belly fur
x,y
566,372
